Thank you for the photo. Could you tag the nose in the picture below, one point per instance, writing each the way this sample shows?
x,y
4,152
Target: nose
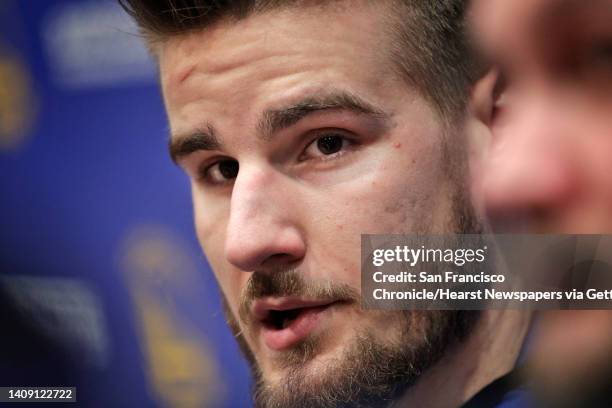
x,y
531,169
263,232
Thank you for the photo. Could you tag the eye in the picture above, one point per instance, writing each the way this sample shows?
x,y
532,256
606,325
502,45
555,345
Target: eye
x,y
588,60
328,144
221,172
600,55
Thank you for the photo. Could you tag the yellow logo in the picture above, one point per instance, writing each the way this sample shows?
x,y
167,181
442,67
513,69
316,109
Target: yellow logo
x,y
16,100
180,364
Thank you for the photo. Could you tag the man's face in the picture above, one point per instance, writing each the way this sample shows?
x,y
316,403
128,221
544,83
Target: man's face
x,y
551,164
551,169
298,136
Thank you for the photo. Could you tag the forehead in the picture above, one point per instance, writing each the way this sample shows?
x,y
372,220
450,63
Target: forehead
x,y
286,29
276,52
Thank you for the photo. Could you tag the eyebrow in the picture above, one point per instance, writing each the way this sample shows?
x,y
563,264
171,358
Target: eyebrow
x,y
579,5
205,138
275,120
571,9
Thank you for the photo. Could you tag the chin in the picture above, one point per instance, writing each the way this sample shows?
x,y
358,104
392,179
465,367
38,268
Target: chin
x,y
311,356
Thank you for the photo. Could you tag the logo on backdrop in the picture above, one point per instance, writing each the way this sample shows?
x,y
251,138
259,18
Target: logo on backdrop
x,y
165,286
94,44
16,99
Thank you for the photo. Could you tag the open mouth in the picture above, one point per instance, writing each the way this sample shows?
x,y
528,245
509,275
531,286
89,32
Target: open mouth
x,y
286,322
282,319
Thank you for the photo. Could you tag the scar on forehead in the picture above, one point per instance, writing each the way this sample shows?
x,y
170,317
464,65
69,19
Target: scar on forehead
x,y
182,76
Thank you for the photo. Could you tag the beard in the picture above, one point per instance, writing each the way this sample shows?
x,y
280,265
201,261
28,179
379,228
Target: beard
x,y
370,371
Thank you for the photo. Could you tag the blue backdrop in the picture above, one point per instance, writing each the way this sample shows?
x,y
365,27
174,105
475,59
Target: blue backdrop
x,y
99,260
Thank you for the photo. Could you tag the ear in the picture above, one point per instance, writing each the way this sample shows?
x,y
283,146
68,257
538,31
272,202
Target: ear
x,y
478,133
480,116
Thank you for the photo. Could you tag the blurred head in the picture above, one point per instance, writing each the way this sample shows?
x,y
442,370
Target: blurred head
x,y
550,166
303,124
550,169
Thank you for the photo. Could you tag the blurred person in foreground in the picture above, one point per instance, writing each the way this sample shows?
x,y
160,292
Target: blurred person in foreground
x,y
550,167
303,124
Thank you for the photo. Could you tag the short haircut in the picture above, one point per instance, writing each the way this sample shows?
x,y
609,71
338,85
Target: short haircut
x,y
429,44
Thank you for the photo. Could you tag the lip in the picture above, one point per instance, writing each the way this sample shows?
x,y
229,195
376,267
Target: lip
x,y
308,317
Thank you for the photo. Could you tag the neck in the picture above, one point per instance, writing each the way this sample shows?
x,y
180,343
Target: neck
x,y
489,353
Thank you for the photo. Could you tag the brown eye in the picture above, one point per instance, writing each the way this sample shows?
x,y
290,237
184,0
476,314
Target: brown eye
x,y
330,144
223,171
228,169
327,145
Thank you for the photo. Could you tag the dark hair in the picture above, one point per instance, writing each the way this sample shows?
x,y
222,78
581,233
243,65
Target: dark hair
x,y
430,49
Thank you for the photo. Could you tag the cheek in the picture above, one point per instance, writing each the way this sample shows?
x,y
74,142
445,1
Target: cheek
x,y
399,195
597,149
211,225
